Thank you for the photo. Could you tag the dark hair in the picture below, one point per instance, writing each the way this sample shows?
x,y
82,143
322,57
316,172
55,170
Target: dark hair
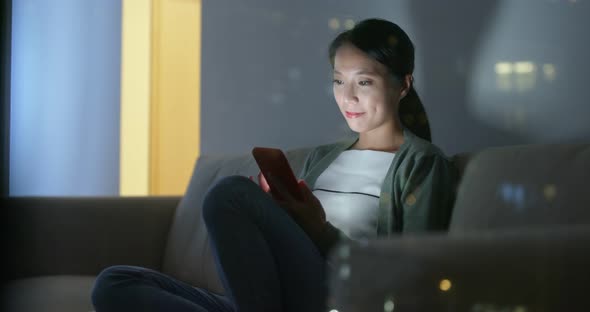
x,y
389,45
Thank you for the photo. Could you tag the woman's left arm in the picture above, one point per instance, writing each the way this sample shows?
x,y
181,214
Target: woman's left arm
x,y
429,194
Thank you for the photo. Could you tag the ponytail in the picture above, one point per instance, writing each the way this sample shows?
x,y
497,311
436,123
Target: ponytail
x,y
413,115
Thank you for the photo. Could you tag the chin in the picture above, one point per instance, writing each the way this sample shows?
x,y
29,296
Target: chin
x,y
357,128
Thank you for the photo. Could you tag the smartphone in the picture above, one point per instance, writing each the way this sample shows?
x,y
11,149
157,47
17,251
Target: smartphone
x,y
273,163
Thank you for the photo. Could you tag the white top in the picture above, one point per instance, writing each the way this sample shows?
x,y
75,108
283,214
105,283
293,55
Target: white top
x,y
349,191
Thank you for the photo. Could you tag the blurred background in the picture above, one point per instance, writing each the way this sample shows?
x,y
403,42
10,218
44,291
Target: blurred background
x,y
120,97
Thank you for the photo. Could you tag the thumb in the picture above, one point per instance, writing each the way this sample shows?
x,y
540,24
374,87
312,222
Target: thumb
x,y
305,189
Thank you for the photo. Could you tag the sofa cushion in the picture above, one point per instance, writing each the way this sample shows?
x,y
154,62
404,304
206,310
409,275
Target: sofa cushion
x,y
529,185
188,255
63,293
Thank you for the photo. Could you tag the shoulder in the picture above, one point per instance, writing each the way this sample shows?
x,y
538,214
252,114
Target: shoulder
x,y
419,154
415,146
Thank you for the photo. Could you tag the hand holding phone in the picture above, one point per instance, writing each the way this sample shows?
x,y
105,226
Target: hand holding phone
x,y
276,170
301,205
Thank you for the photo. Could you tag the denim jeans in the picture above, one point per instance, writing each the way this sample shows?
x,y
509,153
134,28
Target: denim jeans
x,y
265,261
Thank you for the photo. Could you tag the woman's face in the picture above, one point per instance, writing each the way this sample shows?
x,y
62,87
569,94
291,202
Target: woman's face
x,y
366,93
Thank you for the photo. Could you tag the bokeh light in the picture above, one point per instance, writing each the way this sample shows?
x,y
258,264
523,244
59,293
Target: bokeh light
x,y
349,24
334,23
549,72
344,271
550,191
503,68
410,199
388,306
445,285
524,67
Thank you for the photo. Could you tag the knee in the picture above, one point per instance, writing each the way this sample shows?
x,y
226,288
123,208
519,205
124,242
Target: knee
x,y
104,290
221,192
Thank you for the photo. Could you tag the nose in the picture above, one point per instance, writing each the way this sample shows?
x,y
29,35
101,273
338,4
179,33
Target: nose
x,y
349,94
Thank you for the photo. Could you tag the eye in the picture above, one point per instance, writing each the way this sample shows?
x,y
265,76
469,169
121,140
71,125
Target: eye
x,y
365,83
337,82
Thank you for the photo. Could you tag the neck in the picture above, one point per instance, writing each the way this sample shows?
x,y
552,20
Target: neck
x,y
385,139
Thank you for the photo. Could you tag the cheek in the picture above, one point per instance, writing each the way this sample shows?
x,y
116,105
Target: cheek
x,y
380,106
337,96
375,100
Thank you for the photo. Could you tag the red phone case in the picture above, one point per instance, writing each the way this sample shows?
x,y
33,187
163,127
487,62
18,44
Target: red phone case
x,y
272,162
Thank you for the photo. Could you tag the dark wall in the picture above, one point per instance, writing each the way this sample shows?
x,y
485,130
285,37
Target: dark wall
x,y
266,78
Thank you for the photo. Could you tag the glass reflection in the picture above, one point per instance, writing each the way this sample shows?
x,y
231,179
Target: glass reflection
x,y
513,194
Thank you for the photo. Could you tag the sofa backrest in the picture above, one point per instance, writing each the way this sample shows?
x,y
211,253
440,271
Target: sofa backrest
x,y
524,186
188,255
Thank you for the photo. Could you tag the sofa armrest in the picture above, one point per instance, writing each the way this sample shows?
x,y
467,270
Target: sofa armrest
x,y
525,270
82,235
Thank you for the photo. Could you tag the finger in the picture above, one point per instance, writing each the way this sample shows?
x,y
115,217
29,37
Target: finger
x,y
263,183
305,191
308,195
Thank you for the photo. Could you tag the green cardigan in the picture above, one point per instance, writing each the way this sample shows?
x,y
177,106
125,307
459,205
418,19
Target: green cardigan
x,y
417,194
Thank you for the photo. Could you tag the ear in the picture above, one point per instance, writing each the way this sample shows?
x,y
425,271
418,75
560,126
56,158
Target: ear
x,y
406,85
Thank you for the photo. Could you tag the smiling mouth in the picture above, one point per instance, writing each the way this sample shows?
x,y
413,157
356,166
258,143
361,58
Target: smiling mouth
x,y
353,115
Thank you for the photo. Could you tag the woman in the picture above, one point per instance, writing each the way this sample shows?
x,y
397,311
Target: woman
x,y
270,254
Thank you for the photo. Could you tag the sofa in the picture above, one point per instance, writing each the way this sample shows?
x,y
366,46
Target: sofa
x,y
518,240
